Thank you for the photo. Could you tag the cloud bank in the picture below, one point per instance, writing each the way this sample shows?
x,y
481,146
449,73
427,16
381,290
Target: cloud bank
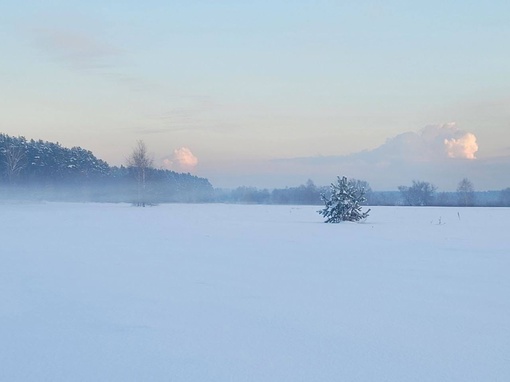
x,y
433,143
442,154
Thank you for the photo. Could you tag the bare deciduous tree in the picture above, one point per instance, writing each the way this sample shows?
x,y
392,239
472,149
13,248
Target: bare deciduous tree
x,y
140,161
15,161
466,192
419,194
504,197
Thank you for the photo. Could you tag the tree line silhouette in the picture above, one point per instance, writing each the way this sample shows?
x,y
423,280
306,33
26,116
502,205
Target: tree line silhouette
x,y
47,170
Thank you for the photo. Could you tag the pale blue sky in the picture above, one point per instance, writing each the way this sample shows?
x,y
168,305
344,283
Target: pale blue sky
x,y
248,87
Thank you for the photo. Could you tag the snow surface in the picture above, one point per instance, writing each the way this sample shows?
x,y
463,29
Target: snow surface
x,y
103,292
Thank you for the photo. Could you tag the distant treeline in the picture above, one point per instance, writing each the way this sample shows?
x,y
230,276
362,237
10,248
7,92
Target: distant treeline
x,y
45,170
310,194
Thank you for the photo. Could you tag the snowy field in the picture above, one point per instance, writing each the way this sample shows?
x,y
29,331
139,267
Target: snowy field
x,y
102,292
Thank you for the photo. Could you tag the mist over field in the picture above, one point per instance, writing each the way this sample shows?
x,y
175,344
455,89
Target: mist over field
x,y
41,170
194,292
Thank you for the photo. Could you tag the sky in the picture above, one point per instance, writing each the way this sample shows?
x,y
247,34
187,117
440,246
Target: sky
x,y
268,93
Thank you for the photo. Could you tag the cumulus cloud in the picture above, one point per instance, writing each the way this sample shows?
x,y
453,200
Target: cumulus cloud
x,y
463,147
185,157
432,143
434,152
182,159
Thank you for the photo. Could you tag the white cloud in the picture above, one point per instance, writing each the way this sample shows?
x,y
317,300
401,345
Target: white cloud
x,y
433,143
436,153
463,147
182,159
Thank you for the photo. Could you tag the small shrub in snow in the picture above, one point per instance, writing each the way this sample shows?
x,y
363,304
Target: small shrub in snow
x,y
344,203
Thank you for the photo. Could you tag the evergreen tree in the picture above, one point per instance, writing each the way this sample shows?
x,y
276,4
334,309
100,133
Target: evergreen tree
x,y
344,203
46,170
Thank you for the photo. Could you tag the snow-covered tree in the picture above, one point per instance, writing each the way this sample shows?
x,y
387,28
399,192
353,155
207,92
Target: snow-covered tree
x,y
344,202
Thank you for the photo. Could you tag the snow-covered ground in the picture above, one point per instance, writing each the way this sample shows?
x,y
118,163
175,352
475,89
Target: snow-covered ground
x,y
101,292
